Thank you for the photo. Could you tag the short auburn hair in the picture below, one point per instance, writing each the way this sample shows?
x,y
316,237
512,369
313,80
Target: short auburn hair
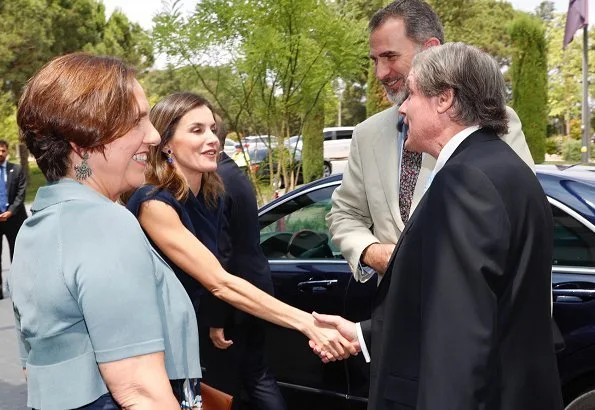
x,y
77,98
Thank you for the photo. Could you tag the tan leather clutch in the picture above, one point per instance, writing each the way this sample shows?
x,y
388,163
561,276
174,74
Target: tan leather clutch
x,y
213,399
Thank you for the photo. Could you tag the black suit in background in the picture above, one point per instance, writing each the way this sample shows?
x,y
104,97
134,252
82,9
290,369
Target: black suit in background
x,y
462,318
16,185
241,367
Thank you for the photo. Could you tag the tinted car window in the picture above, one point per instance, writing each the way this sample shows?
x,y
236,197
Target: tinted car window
x,y
297,229
574,243
257,155
344,135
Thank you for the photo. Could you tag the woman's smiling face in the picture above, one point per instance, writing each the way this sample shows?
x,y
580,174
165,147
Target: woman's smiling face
x,y
194,145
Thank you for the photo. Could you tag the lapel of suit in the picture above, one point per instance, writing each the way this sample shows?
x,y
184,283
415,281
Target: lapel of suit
x,y
389,271
387,153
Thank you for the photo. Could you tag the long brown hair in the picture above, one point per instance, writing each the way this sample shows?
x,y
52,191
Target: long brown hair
x,y
165,116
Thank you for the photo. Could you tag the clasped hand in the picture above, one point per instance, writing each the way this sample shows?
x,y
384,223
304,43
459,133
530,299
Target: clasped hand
x,y
340,341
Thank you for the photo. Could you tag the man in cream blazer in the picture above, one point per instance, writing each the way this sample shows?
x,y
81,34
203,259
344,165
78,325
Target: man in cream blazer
x,y
365,208
365,220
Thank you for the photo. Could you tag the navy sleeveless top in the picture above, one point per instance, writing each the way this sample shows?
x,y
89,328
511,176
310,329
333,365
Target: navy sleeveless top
x,y
203,221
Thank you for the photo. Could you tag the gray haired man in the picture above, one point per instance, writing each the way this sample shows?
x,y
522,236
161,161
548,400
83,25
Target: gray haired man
x,y
461,319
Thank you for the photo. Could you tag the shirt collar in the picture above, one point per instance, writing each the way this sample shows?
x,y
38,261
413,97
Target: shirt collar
x,y
3,165
65,190
452,145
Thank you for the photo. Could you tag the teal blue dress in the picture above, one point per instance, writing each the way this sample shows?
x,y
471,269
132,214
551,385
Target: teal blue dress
x,y
88,288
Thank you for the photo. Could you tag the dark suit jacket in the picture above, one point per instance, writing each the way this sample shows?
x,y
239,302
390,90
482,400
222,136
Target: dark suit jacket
x,y
239,241
461,319
16,185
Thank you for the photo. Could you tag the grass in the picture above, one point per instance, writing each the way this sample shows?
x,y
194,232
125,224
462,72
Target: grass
x,y
36,180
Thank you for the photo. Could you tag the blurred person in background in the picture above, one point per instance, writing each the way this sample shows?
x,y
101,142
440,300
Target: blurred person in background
x,y
13,185
234,349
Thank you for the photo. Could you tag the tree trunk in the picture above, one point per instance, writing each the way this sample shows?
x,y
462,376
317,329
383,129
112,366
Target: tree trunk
x,y
313,149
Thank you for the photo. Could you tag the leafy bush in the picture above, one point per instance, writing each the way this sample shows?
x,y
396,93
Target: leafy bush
x,y
571,150
553,145
575,131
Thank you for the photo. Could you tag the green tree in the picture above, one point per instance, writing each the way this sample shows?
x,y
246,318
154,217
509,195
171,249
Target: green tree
x,y
545,11
34,31
529,81
283,55
121,38
565,72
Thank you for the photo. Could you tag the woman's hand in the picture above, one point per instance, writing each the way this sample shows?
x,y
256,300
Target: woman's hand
x,y
328,341
217,336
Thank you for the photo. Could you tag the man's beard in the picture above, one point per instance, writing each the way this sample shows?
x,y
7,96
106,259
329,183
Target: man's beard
x,y
395,97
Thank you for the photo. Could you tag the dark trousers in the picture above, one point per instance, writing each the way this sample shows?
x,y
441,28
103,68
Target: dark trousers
x,y
9,228
241,369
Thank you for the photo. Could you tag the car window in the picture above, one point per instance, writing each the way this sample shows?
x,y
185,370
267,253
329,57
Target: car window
x,y
574,243
297,229
344,134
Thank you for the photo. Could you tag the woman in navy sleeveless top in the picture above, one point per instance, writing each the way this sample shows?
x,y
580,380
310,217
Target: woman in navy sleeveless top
x,y
169,209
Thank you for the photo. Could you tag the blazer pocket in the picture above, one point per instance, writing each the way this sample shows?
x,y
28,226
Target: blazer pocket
x,y
401,390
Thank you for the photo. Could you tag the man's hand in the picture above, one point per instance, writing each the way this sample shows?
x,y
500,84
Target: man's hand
x,y
327,342
346,328
377,256
217,336
5,215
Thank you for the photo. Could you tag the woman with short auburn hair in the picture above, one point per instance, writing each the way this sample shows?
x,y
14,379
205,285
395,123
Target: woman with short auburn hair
x,y
103,322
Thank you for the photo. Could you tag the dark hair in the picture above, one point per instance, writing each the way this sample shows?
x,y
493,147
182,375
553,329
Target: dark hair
x,y
77,98
165,116
421,22
221,130
4,143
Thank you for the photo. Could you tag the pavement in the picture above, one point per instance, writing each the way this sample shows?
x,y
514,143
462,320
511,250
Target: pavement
x,y
13,390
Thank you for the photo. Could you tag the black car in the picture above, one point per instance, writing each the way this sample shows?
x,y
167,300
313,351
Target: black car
x,y
310,273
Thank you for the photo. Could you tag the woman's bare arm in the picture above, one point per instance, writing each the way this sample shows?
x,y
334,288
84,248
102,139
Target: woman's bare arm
x,y
162,224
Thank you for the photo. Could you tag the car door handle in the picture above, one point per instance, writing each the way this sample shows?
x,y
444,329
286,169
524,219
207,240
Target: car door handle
x,y
573,295
317,285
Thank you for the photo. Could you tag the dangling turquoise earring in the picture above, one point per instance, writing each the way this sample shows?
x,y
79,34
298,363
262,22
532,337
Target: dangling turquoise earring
x,y
83,171
170,160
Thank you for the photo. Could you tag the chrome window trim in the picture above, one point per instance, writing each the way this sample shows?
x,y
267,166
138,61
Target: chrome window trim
x,y
294,195
573,270
296,261
572,213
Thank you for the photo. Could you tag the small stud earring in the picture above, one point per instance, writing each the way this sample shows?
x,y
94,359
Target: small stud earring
x,y
170,160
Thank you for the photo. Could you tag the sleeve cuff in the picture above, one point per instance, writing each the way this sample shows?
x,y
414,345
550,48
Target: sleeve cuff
x,y
363,273
362,342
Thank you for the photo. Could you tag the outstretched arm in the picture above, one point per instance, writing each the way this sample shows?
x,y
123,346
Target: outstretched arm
x,y
163,225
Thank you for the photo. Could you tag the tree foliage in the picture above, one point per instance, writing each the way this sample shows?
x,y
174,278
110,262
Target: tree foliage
x,y
272,60
565,72
34,31
529,81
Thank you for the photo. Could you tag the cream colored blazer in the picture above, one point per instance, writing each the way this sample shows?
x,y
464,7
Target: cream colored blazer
x,y
365,207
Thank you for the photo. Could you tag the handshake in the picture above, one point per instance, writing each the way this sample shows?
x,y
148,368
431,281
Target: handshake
x,y
333,337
